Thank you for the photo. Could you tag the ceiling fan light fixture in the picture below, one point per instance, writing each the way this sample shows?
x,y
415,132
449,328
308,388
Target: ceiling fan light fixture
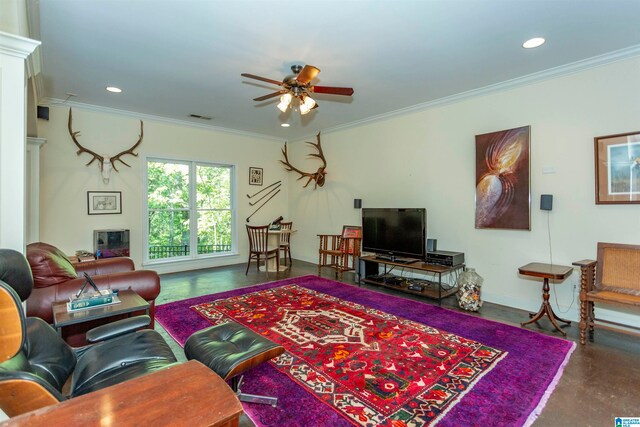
x,y
285,101
306,104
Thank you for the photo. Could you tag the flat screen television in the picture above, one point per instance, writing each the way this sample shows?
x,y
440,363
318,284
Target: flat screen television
x,y
394,232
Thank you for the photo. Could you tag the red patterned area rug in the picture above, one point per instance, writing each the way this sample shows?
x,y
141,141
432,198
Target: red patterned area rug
x,y
374,368
364,358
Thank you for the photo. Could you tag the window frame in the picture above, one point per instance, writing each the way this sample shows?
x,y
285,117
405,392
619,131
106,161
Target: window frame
x,y
192,209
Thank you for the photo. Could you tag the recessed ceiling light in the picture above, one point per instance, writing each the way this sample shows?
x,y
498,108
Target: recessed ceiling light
x,y
534,42
198,116
285,125
113,89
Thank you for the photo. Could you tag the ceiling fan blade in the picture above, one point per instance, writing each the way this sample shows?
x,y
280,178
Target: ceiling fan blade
x,y
347,91
308,73
264,79
271,95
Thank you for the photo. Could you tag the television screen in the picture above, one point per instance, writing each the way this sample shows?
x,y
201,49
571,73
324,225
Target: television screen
x,y
394,231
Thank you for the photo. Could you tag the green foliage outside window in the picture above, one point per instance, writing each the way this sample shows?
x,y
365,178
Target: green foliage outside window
x,y
171,210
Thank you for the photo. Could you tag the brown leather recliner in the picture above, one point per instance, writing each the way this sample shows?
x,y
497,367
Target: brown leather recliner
x,y
56,279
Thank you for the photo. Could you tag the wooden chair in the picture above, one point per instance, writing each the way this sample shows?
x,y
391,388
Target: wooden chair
x,y
259,247
613,279
340,251
285,242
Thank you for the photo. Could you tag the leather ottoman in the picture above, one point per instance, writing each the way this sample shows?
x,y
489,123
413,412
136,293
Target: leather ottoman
x,y
229,349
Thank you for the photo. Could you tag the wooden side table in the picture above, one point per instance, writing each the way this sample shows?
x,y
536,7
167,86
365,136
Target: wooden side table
x,y
130,302
546,271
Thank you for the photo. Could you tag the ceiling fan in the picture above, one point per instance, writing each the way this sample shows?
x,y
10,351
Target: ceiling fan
x,y
298,86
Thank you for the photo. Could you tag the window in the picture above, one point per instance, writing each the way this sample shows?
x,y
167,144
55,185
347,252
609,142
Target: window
x,y
189,209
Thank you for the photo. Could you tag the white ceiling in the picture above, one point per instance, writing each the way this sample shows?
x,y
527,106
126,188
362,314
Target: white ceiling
x,y
173,58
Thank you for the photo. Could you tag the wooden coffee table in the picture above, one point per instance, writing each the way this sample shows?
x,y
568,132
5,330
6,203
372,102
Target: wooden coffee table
x,y
546,272
130,302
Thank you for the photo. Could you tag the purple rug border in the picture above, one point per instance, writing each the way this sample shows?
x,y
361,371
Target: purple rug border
x,y
550,364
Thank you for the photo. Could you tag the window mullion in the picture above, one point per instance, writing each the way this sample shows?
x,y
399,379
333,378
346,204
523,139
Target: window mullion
x,y
193,211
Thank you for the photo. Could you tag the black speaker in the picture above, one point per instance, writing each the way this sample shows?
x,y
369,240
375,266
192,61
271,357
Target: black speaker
x,y
43,112
357,203
546,202
432,245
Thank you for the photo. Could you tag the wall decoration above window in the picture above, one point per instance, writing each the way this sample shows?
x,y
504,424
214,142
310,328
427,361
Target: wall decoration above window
x,y
502,179
317,176
618,168
106,163
104,202
255,176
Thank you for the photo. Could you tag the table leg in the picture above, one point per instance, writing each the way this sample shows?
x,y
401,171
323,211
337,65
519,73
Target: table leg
x,y
545,309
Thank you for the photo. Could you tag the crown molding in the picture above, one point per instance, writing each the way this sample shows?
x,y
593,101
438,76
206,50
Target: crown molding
x,y
551,73
17,46
138,116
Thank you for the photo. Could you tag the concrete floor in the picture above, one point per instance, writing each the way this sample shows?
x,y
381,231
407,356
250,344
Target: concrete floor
x,y
600,382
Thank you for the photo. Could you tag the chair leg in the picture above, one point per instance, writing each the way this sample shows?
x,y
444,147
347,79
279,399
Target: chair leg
x,y
591,317
289,253
584,319
248,265
236,383
266,265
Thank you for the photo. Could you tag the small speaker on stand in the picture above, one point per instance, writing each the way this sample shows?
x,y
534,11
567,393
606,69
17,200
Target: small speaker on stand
x,y
357,203
432,245
546,202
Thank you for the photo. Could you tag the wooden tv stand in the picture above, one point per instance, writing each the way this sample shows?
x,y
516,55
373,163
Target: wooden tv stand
x,y
432,289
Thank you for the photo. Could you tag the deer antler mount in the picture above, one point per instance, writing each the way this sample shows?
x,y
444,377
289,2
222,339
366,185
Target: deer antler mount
x,y
104,162
317,176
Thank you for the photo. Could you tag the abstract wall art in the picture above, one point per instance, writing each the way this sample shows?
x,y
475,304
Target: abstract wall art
x,y
502,179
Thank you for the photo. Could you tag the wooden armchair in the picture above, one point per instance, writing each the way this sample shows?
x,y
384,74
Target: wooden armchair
x,y
612,279
340,251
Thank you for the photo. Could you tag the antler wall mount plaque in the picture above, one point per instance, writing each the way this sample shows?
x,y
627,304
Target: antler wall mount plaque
x,y
317,176
105,163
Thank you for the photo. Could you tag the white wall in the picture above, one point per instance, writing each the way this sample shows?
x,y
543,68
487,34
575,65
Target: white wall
x,y
424,159
65,179
427,159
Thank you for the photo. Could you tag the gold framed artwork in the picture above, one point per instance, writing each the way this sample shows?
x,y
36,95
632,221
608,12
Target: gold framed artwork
x,y
503,179
617,159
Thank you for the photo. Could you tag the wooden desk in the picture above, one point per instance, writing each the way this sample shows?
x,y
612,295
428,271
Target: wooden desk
x,y
188,394
546,271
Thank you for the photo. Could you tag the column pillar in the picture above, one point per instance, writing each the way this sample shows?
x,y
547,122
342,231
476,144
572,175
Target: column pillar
x,y
13,52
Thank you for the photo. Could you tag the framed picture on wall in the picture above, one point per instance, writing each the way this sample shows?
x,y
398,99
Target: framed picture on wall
x,y
503,179
104,202
255,176
617,168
